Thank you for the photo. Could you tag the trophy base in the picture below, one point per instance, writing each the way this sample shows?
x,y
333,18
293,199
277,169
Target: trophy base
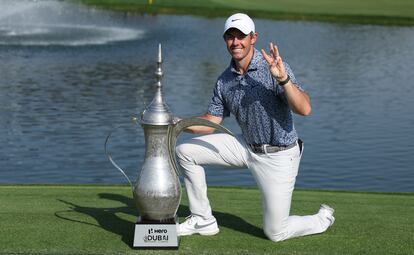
x,y
156,234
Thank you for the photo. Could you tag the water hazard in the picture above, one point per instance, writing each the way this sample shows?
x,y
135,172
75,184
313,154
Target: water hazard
x,y
70,74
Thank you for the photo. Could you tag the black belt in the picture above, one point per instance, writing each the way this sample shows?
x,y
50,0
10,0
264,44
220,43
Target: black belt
x,y
267,148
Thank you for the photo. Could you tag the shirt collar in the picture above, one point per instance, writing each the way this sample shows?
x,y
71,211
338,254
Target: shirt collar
x,y
254,62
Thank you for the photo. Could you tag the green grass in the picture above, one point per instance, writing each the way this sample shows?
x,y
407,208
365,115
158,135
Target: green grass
x,y
384,12
87,219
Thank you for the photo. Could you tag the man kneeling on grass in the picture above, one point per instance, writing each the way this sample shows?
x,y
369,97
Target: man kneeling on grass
x,y
260,90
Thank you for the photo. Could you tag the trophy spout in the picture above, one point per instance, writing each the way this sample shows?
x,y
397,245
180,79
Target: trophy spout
x,y
174,131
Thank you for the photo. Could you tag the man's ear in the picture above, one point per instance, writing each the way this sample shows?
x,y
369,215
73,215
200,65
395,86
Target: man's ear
x,y
254,37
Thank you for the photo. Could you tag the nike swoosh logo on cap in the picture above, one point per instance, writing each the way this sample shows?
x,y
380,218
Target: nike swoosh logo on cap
x,y
233,20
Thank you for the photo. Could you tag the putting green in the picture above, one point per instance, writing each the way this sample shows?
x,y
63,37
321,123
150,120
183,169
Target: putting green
x,y
89,219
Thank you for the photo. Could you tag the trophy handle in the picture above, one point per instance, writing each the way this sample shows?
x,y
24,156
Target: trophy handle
x,y
175,129
108,154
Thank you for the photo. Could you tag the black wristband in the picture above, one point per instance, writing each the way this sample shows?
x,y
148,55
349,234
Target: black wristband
x,y
283,83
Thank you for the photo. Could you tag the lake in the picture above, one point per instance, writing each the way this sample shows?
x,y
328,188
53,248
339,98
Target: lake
x,y
70,74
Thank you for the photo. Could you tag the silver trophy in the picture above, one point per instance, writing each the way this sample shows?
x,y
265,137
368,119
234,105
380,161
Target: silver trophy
x,y
157,190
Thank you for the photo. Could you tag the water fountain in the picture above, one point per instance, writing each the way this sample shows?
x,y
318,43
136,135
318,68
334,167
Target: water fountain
x,y
52,22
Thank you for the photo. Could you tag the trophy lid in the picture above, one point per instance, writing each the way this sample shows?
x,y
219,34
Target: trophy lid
x,y
157,112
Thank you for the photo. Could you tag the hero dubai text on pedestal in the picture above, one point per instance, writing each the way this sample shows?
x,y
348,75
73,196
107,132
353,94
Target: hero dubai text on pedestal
x,y
155,234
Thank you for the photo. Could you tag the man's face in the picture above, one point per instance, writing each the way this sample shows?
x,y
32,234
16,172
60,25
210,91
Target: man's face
x,y
238,44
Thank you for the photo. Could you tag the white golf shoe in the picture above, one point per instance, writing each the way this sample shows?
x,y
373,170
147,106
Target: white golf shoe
x,y
326,214
197,225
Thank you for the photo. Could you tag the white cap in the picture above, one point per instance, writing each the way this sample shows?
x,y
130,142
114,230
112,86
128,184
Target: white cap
x,y
240,21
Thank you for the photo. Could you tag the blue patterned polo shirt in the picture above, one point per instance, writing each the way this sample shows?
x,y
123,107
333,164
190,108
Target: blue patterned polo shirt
x,y
257,102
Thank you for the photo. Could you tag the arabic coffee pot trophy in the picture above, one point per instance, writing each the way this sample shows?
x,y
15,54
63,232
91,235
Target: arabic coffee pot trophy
x,y
157,190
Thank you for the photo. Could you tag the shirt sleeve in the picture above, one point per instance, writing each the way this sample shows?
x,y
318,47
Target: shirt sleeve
x,y
217,106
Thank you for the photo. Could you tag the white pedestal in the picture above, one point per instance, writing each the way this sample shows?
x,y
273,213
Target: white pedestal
x,y
156,235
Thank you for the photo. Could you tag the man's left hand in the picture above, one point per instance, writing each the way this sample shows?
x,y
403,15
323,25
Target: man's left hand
x,y
277,69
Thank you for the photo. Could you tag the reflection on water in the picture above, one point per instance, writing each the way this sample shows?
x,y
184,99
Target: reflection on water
x,y
59,101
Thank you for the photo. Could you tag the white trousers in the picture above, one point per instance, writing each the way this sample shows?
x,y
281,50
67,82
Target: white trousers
x,y
275,175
